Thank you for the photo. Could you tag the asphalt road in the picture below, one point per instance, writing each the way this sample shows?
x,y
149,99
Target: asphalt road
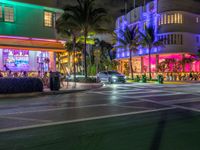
x,y
118,117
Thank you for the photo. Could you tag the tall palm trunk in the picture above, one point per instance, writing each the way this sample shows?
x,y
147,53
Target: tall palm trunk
x,y
150,77
85,52
130,62
74,59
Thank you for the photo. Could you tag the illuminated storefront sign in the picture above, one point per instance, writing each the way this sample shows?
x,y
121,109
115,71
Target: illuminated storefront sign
x,y
16,60
43,61
24,60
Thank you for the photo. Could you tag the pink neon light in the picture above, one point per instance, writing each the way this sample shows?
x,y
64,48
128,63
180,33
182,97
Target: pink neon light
x,y
28,38
14,37
194,67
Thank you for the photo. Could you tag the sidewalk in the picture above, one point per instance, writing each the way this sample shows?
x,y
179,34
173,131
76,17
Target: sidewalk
x,y
80,87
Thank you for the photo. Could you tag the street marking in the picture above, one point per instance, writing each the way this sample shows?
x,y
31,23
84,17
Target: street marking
x,y
187,108
137,107
25,119
65,108
141,96
56,109
82,120
181,101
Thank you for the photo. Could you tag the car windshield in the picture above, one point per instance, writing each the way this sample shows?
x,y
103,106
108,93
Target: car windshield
x,y
113,73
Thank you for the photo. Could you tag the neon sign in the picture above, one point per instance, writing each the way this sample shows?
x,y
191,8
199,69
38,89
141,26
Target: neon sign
x,y
16,60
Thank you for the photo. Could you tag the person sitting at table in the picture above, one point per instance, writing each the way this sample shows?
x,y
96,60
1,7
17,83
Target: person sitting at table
x,y
9,74
1,74
15,74
24,74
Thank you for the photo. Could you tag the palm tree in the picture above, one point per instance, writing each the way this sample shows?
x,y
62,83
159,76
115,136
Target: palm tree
x,y
186,60
67,28
103,54
129,39
149,41
86,17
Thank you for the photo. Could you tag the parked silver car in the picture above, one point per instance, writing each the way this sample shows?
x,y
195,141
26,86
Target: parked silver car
x,y
111,77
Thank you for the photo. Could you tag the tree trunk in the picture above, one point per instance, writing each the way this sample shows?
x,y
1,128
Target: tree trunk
x,y
85,52
150,63
130,62
74,59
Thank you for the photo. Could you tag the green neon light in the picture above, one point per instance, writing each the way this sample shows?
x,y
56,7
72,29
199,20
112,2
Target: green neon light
x,y
14,3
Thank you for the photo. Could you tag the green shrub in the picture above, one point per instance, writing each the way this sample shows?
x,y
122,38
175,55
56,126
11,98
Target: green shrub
x,y
137,79
20,85
144,78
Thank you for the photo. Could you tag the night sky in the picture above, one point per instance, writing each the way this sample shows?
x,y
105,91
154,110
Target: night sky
x,y
115,8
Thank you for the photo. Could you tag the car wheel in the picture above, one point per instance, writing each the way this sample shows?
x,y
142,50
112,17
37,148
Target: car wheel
x,y
110,81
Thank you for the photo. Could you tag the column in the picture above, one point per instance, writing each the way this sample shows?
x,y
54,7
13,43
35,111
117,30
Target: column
x,y
183,56
157,62
142,64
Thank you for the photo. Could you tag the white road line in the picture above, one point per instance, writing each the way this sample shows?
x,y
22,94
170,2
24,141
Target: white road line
x,y
66,108
187,108
81,120
137,107
142,96
56,109
109,92
173,106
181,101
25,119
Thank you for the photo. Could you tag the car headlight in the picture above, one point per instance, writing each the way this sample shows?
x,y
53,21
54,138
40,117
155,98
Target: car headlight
x,y
114,77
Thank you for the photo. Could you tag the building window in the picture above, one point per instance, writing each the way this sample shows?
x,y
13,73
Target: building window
x,y
165,39
175,39
168,19
168,39
172,40
175,18
1,12
8,14
165,19
181,39
181,18
172,18
48,19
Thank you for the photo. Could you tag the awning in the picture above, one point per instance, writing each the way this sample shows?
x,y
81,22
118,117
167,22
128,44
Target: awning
x,y
31,44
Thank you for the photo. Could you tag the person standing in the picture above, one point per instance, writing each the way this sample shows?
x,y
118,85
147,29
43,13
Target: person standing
x,y
45,79
62,79
39,74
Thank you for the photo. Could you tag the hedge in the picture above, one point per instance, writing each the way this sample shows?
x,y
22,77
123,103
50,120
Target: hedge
x,y
20,85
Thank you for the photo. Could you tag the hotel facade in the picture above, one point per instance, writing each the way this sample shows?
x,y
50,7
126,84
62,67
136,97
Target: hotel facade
x,y
175,21
28,39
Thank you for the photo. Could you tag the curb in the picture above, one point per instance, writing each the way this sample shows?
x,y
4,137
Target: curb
x,y
37,94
